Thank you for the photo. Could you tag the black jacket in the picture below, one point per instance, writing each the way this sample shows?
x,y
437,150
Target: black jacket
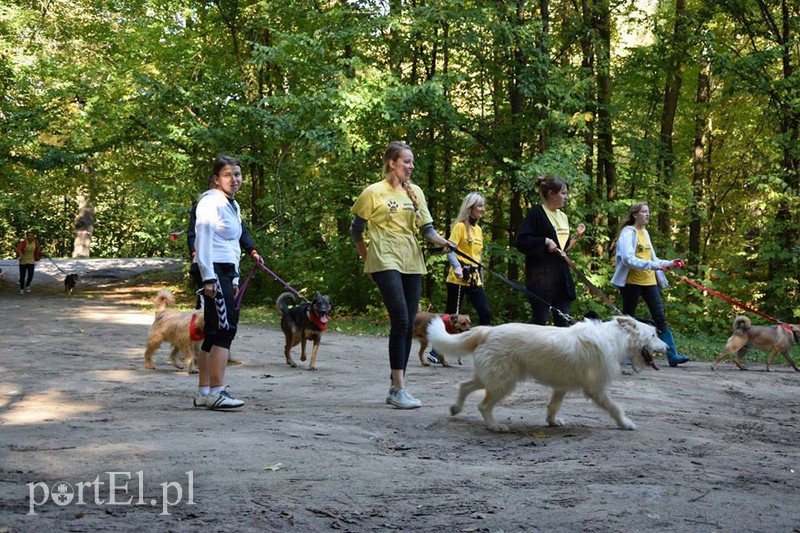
x,y
547,275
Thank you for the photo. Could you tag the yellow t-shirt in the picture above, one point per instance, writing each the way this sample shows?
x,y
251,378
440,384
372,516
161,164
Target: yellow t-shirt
x,y
643,251
29,254
472,246
559,221
391,225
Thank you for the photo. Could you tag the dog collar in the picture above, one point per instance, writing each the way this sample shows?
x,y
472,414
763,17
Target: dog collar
x,y
194,333
320,323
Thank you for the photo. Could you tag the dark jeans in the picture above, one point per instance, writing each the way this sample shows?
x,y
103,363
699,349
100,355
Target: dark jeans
x,y
25,271
214,335
475,295
540,311
651,295
401,294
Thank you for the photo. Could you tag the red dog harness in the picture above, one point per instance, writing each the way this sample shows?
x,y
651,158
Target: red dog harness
x,y
195,333
448,326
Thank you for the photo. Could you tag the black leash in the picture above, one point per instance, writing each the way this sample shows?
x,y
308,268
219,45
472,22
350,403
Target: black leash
x,y
515,286
592,288
55,265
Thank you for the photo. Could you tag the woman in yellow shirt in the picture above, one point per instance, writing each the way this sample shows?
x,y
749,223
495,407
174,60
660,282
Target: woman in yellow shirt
x,y
639,274
466,279
393,210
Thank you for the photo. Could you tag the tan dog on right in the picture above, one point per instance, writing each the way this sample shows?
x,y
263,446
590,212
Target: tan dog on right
x,y
453,324
772,339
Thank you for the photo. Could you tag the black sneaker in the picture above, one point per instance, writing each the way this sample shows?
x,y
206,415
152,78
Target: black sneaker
x,y
433,357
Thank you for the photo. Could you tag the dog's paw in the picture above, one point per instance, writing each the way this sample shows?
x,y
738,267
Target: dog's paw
x,y
555,422
498,428
194,370
312,368
424,362
302,357
627,423
454,410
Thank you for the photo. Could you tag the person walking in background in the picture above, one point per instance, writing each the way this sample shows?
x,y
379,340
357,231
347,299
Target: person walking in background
x,y
639,274
217,233
392,210
466,279
544,239
28,253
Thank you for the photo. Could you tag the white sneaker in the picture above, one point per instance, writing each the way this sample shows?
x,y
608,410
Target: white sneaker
x,y
199,400
22,291
401,399
28,289
223,400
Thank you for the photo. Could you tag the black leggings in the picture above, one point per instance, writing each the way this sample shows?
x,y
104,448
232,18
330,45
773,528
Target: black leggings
x,y
401,297
475,295
540,311
25,271
651,295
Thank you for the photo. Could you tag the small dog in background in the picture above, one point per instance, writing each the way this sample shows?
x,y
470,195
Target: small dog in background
x,y
304,322
183,330
773,339
452,323
69,283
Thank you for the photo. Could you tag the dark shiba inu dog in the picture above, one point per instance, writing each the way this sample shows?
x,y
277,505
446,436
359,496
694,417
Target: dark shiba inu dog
x,y
774,339
304,322
69,283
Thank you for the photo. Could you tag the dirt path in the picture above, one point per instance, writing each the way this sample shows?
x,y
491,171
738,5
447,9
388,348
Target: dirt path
x,y
315,451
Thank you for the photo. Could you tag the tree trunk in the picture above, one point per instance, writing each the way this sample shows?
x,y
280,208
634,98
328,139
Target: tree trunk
x,y
701,139
84,227
606,165
672,90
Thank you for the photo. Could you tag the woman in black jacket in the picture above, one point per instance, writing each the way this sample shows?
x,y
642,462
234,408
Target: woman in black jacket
x,y
544,239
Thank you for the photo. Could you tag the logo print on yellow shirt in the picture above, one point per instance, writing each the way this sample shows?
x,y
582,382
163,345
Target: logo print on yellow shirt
x,y
392,206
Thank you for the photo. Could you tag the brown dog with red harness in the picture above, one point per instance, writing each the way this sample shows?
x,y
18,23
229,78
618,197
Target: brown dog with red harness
x,y
773,339
304,322
183,330
452,323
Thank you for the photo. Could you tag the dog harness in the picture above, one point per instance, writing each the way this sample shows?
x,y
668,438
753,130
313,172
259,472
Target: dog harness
x,y
320,323
195,333
448,326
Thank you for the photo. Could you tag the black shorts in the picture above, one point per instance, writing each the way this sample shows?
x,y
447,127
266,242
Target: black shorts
x,y
221,316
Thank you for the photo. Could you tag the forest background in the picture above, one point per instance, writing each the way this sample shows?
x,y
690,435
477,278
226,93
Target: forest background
x,y
111,112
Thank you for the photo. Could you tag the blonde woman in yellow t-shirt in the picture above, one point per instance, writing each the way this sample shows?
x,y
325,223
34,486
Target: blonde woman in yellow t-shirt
x,y
466,279
639,274
393,211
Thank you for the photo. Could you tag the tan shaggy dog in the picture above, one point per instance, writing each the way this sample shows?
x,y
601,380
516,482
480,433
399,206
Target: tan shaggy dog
x,y
584,357
176,328
773,339
453,324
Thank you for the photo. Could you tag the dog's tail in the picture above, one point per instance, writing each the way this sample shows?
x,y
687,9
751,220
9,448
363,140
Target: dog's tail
x,y
458,344
280,303
741,322
163,300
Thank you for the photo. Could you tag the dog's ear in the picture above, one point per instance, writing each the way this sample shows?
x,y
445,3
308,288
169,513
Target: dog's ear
x,y
626,322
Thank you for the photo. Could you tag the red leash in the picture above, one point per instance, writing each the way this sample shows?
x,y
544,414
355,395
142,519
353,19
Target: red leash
x,y
731,300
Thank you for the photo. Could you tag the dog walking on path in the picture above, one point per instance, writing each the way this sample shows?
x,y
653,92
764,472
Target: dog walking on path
x,y
585,356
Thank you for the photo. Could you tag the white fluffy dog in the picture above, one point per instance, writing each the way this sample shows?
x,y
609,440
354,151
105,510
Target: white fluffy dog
x,y
585,357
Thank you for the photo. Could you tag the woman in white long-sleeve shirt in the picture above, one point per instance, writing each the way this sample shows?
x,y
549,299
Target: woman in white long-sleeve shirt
x,y
217,233
639,273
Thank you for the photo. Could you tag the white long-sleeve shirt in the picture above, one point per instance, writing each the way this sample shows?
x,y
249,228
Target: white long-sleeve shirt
x,y
626,258
218,230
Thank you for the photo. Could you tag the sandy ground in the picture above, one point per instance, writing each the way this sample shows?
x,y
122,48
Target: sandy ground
x,y
91,441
